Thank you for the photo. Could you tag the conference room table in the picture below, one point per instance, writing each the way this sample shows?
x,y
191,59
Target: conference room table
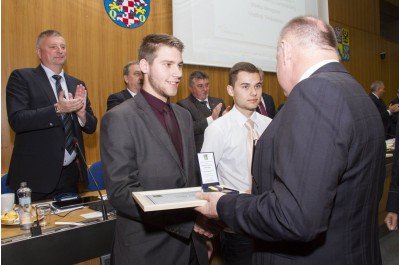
x,y
70,244
59,244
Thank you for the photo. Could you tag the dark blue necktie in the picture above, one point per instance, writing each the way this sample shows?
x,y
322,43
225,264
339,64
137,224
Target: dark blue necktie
x,y
67,120
204,102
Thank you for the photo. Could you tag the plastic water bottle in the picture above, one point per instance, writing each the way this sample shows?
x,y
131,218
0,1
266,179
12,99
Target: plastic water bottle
x,y
25,207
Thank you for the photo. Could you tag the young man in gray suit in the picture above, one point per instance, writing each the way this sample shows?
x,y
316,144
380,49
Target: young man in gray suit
x,y
319,166
203,108
147,143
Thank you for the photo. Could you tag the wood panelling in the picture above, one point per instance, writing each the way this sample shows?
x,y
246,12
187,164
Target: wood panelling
x,y
361,18
98,49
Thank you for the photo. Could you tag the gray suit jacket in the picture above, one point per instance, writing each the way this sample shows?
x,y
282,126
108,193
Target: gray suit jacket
x,y
199,114
319,168
137,154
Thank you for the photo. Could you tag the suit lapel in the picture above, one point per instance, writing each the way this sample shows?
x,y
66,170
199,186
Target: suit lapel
x,y
185,144
71,84
126,94
157,130
203,109
212,103
45,84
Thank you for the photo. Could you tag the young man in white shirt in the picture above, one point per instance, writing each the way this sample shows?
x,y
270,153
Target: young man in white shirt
x,y
227,138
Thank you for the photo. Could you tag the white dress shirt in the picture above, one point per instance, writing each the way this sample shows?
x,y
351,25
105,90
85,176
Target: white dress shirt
x,y
68,158
226,137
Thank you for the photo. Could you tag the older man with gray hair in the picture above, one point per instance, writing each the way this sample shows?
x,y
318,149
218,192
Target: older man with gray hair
x,y
319,166
133,78
377,91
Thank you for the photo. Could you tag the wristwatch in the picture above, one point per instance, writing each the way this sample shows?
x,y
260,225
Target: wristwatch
x,y
58,112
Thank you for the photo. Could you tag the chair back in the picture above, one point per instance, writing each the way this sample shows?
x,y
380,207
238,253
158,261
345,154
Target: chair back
x,y
4,187
97,172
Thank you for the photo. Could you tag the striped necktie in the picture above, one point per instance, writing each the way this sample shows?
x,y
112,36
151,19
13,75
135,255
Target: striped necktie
x,y
67,120
204,102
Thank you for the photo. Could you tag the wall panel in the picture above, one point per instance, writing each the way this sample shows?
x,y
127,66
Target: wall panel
x,y
98,49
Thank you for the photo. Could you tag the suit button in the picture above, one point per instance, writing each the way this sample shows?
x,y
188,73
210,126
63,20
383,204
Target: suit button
x,y
51,124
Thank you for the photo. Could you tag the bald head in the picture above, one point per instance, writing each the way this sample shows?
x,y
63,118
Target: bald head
x,y
310,33
303,42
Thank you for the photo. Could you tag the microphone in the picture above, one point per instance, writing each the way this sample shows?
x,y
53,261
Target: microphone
x,y
103,205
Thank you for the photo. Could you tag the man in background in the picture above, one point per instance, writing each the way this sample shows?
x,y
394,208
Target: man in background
x,y
377,91
203,108
394,119
147,143
48,111
133,79
267,105
228,138
319,166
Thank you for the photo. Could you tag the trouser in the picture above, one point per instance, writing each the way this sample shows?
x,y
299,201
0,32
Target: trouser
x,y
68,182
236,248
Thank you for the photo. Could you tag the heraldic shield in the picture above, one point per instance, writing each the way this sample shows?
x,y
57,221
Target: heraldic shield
x,y
128,13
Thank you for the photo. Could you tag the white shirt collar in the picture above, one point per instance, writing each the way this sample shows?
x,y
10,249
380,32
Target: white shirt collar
x,y
241,118
50,73
314,68
375,95
132,93
206,99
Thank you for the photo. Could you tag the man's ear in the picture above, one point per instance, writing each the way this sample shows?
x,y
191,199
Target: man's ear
x,y
286,50
144,66
38,53
229,88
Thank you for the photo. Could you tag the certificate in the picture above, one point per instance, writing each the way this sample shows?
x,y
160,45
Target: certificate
x,y
157,200
208,170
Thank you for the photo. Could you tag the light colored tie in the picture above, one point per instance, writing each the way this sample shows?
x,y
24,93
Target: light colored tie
x,y
252,137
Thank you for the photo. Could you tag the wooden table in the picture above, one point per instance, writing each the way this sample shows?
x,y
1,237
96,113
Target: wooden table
x,y
64,244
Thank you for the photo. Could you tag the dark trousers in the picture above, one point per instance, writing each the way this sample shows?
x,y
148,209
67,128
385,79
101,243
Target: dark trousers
x,y
236,248
68,182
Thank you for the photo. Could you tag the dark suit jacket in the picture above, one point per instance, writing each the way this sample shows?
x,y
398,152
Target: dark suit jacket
x,y
39,145
117,98
393,121
199,114
380,104
269,105
393,196
137,154
319,169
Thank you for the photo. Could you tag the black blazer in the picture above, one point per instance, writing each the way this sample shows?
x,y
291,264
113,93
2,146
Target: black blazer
x,y
319,168
269,105
381,106
117,98
39,144
393,196
199,114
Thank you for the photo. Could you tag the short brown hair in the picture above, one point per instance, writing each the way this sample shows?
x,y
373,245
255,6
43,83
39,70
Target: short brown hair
x,y
241,67
152,42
